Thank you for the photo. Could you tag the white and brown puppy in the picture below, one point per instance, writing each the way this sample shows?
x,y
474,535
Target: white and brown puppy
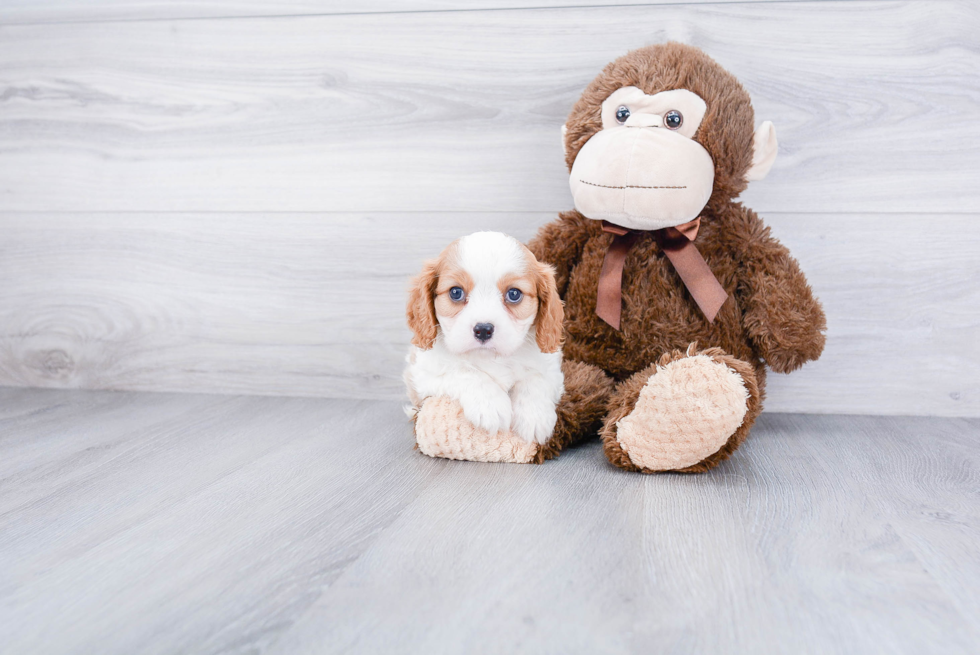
x,y
487,323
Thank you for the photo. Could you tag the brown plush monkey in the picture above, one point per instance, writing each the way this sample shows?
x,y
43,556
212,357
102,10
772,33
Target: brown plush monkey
x,y
676,296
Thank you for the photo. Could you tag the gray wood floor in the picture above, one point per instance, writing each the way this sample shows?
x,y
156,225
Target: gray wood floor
x,y
166,523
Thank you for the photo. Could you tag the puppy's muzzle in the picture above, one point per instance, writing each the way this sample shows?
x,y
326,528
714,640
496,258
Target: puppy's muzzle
x,y
483,332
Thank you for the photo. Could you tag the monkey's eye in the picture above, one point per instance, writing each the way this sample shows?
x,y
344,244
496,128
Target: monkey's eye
x,y
514,295
456,294
622,113
673,119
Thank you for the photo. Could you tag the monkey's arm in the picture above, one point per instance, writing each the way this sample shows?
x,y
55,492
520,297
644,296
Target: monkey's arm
x,y
560,243
786,324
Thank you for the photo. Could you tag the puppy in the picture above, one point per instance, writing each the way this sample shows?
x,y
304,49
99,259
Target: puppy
x,y
487,324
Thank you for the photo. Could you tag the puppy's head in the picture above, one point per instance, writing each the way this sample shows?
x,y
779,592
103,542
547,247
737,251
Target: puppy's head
x,y
485,292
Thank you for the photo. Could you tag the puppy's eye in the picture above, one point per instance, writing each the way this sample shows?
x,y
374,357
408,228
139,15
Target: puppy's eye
x,y
456,294
673,119
622,113
514,295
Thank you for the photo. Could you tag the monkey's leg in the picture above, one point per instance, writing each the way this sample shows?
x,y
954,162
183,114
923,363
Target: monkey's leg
x,y
581,408
441,429
687,413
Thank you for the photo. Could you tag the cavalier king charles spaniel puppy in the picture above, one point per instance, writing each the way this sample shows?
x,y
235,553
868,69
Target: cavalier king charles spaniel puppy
x,y
487,324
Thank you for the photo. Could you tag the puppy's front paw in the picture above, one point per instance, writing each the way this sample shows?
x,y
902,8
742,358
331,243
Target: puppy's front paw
x,y
490,411
534,422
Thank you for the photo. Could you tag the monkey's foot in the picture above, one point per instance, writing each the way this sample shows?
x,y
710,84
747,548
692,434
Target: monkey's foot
x,y
686,413
441,430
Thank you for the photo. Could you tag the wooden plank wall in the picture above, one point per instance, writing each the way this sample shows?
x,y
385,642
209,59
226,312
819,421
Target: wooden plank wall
x,y
203,197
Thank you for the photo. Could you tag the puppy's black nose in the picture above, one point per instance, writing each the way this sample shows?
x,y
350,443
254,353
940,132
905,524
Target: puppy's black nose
x,y
483,331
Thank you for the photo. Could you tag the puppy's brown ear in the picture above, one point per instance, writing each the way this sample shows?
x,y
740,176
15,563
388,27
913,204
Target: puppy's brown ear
x,y
421,310
548,324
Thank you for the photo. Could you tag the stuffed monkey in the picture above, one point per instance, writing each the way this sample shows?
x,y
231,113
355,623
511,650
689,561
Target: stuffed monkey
x,y
676,297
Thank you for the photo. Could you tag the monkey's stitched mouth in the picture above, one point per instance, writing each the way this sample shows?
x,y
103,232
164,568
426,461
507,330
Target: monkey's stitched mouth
x,y
631,186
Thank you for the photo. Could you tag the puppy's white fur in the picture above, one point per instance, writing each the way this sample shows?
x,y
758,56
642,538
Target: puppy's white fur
x,y
507,381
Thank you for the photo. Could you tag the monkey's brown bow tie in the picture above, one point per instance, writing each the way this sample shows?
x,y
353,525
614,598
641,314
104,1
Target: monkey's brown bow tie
x,y
678,244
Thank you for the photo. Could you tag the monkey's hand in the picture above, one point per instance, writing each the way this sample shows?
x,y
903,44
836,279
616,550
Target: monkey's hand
x,y
784,321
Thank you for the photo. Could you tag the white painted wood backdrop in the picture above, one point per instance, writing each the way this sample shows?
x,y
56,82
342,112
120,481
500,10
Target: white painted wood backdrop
x,y
208,197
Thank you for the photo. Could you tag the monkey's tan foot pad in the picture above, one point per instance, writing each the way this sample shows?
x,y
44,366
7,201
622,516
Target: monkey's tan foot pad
x,y
441,430
685,412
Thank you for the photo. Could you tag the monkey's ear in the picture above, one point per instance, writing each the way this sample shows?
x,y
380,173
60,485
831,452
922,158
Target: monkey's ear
x,y
564,146
764,149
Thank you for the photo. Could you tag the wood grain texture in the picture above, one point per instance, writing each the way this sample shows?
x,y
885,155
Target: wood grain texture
x,y
18,12
235,205
124,516
775,553
158,523
460,111
313,304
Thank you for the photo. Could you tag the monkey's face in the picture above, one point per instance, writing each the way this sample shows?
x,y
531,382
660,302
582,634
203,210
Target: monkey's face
x,y
643,170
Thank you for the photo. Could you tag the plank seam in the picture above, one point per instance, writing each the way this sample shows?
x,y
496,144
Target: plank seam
x,y
15,23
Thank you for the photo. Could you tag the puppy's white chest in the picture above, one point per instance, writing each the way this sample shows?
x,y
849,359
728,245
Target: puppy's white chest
x,y
502,373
